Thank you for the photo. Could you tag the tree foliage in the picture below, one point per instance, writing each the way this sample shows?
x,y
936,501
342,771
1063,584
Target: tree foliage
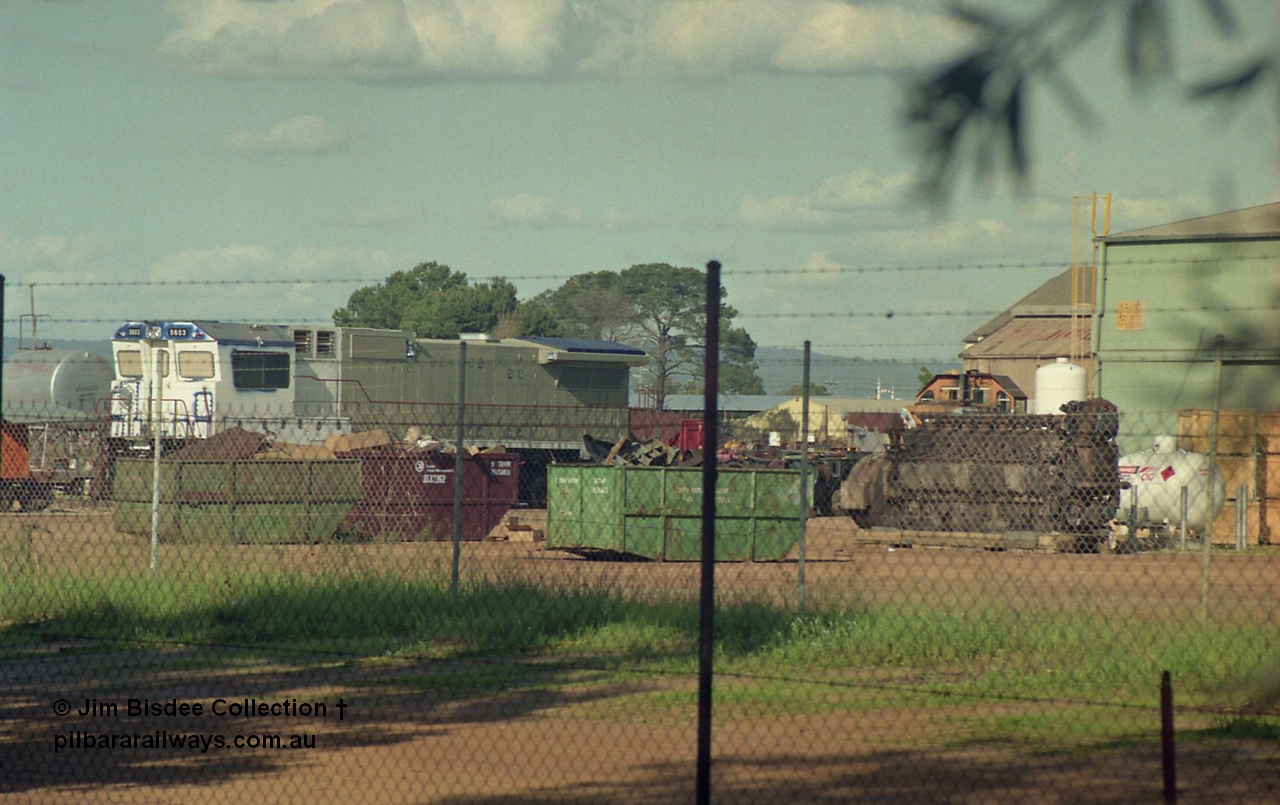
x,y
661,308
924,375
974,107
434,301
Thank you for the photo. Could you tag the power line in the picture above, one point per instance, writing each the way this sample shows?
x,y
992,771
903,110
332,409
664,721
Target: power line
x,y
1265,261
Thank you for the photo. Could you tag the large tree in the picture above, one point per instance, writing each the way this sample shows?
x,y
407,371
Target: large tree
x,y
739,371
383,305
434,301
669,311
591,306
660,307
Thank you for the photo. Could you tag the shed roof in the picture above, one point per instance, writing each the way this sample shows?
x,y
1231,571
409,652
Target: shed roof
x,y
1051,298
1251,223
1032,337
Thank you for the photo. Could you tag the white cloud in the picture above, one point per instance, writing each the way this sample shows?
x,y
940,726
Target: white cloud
x,y
987,238
528,209
1138,213
301,135
417,40
848,201
45,252
301,287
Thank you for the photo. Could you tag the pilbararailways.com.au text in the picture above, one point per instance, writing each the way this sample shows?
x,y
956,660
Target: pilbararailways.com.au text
x,y
185,741
223,709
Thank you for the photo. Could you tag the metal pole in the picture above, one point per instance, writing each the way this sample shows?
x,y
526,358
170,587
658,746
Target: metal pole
x,y
1242,516
1182,518
1206,539
706,604
157,395
1,350
457,473
804,477
1168,755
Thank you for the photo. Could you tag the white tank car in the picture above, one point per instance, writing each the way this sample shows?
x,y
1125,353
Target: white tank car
x,y
54,384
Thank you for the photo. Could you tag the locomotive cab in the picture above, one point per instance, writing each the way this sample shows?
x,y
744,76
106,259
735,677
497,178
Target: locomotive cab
x,y
171,377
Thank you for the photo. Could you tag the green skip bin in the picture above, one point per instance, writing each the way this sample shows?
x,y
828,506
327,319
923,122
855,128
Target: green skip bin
x,y
655,512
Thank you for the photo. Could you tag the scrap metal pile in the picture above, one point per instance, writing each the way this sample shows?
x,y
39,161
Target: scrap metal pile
x,y
629,452
993,473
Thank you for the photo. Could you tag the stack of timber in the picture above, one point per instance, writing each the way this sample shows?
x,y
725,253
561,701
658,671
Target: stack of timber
x,y
1249,460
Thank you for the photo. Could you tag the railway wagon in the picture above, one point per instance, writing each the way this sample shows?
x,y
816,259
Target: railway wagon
x,y
182,380
55,421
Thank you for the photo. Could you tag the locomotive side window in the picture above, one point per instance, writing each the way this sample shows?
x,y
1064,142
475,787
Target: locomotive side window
x,y
129,362
260,370
193,365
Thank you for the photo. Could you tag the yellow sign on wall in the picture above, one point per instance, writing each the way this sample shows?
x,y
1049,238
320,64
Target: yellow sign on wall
x,y
1129,315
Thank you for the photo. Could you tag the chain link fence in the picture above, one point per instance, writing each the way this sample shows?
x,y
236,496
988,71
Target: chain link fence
x,y
982,611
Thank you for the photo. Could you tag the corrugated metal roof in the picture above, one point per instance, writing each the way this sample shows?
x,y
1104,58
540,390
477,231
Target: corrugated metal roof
x,y
1251,223
1032,337
1052,298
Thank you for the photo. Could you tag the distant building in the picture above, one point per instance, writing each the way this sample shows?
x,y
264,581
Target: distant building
x,y
974,389
1049,323
835,422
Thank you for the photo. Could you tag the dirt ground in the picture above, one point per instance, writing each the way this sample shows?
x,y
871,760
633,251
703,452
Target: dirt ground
x,y
417,731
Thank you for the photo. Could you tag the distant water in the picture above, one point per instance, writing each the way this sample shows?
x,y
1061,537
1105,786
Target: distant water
x,y
845,377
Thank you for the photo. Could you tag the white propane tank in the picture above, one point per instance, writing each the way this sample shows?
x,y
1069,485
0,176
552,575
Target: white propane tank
x,y
1157,478
1057,383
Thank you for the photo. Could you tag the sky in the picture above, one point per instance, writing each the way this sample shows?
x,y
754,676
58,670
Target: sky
x,y
259,160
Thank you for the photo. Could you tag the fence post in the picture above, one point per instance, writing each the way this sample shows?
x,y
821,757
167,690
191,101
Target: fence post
x,y
804,478
1207,538
706,603
1242,516
1182,518
1168,754
2,342
457,473
157,443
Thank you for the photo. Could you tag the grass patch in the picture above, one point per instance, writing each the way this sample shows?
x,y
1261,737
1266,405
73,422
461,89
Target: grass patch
x,y
769,659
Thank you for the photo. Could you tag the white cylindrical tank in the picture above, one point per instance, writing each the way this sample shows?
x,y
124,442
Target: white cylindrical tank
x,y
1057,383
51,383
1156,478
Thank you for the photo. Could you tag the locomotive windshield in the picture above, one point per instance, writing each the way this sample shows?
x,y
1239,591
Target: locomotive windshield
x,y
129,363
